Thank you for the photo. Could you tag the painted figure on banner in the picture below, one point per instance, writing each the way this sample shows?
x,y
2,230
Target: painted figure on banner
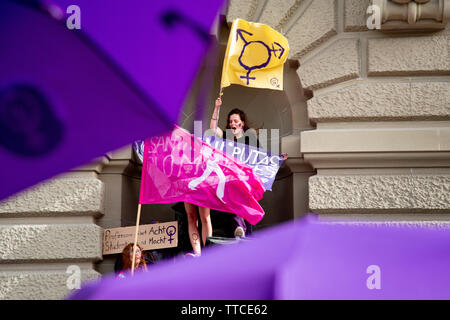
x,y
211,166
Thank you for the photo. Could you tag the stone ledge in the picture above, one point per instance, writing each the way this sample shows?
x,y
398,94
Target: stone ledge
x,y
39,285
376,140
384,100
57,197
411,56
379,193
42,242
322,70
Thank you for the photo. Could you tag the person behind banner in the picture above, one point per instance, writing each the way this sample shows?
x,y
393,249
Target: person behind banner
x,y
238,130
237,125
127,254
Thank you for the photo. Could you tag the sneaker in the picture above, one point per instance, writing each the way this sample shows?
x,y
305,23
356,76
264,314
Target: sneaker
x,y
239,232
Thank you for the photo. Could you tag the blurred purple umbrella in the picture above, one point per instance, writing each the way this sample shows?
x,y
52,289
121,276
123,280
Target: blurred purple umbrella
x,y
68,96
301,260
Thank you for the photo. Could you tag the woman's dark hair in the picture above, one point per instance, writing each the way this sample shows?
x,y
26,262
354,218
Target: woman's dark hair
x,y
242,115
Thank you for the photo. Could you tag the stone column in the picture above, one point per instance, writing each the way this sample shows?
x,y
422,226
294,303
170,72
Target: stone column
x,y
48,236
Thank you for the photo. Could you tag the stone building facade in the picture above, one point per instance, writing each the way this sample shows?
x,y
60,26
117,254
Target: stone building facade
x,y
365,119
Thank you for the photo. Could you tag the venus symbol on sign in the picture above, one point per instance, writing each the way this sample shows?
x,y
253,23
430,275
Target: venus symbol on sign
x,y
171,232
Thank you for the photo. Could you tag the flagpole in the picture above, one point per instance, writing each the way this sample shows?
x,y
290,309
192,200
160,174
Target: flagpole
x,y
218,110
136,238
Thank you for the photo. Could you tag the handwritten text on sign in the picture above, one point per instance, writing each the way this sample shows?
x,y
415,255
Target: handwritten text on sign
x,y
150,237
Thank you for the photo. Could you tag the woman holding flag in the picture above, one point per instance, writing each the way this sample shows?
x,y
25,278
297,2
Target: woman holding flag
x,y
254,57
237,123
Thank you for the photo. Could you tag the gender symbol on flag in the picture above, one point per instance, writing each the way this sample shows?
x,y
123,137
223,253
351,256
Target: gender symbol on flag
x,y
258,45
211,166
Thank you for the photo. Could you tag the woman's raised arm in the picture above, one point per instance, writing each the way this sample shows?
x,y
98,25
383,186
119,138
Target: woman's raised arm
x,y
214,124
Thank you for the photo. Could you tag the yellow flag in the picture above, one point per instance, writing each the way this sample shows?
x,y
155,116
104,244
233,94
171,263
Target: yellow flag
x,y
255,56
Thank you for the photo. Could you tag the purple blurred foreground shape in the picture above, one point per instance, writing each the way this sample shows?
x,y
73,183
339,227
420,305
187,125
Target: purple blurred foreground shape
x,y
302,260
68,96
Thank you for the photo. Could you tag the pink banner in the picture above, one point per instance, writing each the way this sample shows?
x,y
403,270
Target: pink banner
x,y
179,167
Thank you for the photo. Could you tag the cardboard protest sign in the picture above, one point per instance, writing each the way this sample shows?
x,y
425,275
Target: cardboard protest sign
x,y
151,237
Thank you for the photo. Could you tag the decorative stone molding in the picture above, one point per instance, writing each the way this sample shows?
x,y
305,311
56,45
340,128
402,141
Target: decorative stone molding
x,y
413,14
